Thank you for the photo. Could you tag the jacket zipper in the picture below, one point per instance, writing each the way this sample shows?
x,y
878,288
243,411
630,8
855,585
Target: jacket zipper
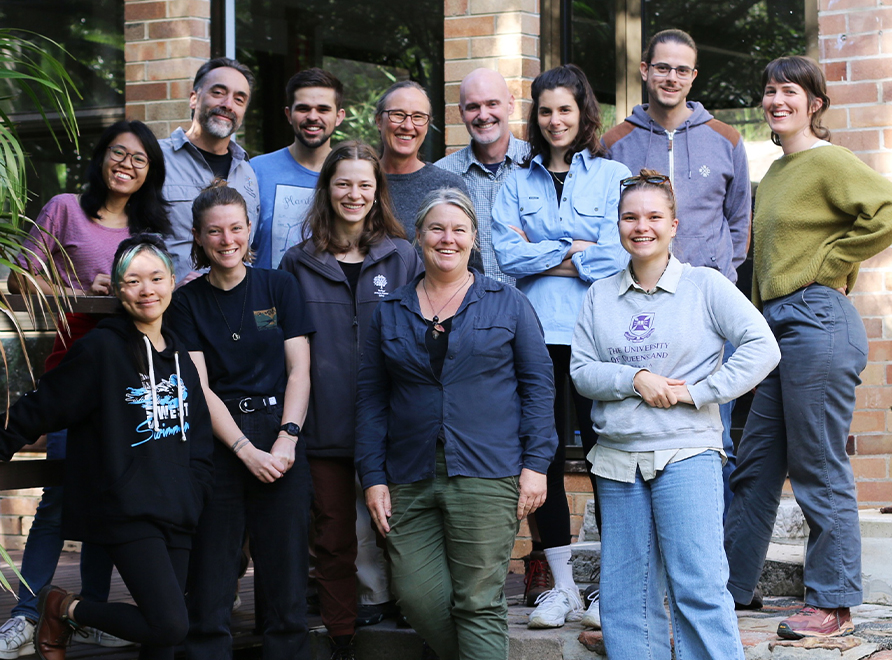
x,y
671,136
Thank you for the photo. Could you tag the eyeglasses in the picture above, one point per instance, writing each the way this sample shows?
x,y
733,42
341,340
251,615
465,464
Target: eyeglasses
x,y
119,154
398,117
661,70
655,180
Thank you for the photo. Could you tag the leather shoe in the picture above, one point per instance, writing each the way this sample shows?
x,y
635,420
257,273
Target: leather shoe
x,y
54,628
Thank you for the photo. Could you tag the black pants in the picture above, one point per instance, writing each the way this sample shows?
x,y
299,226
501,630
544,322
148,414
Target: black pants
x,y
156,577
553,517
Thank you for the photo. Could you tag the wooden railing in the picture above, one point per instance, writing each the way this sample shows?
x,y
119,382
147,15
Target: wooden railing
x,y
33,473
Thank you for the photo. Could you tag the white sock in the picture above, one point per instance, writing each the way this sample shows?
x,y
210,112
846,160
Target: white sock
x,y
559,561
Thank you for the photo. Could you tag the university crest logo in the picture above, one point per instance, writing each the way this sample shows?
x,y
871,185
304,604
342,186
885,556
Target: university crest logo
x,y
641,327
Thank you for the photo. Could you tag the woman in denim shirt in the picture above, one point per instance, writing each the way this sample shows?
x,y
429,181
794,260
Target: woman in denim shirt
x,y
454,434
554,229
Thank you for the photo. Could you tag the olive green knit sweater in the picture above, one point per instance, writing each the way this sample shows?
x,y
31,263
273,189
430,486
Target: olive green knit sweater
x,y
819,214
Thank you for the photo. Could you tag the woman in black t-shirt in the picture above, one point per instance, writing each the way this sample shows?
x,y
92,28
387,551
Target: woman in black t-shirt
x,y
354,253
246,330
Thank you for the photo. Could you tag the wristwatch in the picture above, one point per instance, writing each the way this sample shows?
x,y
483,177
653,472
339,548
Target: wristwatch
x,y
291,429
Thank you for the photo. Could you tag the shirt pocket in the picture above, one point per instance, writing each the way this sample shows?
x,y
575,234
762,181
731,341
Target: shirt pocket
x,y
493,337
181,193
532,216
589,213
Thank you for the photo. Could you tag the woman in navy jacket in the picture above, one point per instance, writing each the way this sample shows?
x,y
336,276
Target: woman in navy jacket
x,y
454,434
354,253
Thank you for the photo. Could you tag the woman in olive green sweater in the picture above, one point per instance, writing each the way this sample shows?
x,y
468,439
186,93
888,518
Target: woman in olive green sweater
x,y
820,211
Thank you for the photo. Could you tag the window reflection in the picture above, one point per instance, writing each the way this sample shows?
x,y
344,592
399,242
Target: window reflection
x,y
368,45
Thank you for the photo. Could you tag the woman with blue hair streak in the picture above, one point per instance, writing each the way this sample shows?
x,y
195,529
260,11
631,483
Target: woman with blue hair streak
x,y
138,466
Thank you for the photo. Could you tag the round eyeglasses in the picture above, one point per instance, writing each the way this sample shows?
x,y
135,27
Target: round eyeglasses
x,y
119,154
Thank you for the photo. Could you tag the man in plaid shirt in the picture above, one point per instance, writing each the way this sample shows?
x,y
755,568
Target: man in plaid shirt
x,y
486,104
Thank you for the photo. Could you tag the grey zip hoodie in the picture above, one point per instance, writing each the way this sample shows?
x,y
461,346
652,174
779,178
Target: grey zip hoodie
x,y
678,331
706,161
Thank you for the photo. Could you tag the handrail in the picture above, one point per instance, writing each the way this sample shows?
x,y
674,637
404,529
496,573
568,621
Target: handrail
x,y
16,475
81,304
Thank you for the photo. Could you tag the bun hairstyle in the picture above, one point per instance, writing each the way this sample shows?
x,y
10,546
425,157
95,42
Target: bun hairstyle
x,y
806,73
645,181
132,246
216,194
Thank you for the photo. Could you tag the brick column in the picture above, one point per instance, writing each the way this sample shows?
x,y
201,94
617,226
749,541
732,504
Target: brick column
x,y
165,43
496,34
856,54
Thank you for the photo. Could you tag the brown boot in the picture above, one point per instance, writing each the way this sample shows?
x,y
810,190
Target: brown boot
x,y
537,577
54,628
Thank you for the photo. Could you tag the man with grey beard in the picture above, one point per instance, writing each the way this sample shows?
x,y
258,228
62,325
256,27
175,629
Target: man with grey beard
x,y
205,152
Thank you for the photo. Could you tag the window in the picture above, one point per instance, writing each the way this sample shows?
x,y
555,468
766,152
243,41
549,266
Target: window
x,y
92,31
367,45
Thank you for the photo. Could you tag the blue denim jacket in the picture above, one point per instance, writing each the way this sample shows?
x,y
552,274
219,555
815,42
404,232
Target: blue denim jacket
x,y
588,211
493,403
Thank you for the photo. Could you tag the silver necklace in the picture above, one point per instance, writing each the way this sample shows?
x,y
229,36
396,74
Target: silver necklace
x,y
436,327
235,335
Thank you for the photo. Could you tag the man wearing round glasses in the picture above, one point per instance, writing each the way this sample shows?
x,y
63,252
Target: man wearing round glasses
x,y
706,162
403,116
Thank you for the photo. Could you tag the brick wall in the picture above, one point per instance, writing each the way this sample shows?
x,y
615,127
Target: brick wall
x,y
165,43
856,54
502,35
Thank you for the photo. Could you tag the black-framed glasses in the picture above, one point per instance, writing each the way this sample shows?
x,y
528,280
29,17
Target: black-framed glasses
x,y
655,180
398,117
119,154
661,70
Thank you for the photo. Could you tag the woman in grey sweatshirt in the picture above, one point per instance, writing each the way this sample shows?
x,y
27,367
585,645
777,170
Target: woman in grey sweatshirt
x,y
648,349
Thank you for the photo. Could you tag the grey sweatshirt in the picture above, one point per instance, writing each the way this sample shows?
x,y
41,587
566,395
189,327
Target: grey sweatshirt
x,y
677,332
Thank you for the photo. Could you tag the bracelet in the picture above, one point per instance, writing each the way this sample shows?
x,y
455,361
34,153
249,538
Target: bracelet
x,y
286,435
239,444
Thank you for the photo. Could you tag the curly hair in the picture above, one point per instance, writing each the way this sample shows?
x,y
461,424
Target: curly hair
x,y
571,78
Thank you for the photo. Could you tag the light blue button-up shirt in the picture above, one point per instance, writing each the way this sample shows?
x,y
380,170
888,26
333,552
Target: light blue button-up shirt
x,y
587,211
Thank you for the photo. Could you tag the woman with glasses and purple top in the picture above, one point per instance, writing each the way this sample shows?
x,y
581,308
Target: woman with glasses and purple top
x,y
78,235
657,385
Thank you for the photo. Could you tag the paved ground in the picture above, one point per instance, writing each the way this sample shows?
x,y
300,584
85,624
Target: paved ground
x,y
872,638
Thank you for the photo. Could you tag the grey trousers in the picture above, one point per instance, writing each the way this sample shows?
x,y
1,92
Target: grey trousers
x,y
799,423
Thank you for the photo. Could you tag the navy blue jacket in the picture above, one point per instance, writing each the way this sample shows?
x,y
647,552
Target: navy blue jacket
x,y
493,402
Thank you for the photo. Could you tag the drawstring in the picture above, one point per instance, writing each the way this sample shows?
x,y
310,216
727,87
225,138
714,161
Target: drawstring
x,y
176,359
687,142
650,138
155,425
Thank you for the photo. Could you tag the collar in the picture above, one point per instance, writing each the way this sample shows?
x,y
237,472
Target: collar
x,y
405,295
178,140
376,253
517,151
668,280
585,157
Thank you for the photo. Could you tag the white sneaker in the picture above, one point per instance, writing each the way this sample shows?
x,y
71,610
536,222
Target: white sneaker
x,y
555,607
592,616
16,638
102,638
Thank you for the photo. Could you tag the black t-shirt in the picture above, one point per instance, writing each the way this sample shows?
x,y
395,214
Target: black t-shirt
x,y
273,311
351,271
220,164
437,348
558,178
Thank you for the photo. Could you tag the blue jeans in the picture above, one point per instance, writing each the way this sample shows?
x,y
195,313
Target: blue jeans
x,y
799,424
674,522
277,517
44,546
725,411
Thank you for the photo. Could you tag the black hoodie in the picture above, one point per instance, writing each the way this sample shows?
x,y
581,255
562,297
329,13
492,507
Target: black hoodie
x,y
131,470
